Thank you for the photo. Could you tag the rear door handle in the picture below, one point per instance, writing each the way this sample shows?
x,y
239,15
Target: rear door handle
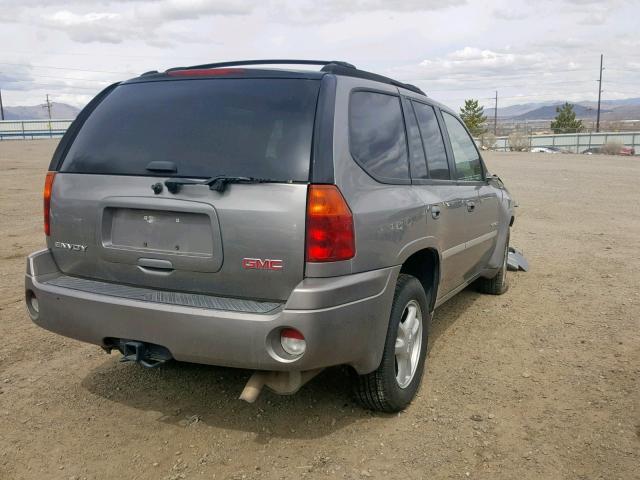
x,y
471,206
435,212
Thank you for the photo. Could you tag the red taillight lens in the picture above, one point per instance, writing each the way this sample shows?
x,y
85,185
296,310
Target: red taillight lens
x,y
48,186
330,233
204,72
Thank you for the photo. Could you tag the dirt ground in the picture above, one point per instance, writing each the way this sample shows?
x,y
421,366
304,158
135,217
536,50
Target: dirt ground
x,y
550,372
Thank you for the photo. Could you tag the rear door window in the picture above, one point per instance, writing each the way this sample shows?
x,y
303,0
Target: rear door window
x,y
433,142
377,137
207,127
416,151
465,153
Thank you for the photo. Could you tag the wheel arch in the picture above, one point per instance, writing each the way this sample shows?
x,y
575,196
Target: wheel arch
x,y
424,264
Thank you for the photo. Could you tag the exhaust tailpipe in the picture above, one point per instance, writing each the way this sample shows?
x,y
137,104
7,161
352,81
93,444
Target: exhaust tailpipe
x,y
282,383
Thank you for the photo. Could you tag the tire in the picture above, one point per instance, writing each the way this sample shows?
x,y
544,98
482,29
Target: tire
x,y
499,284
394,384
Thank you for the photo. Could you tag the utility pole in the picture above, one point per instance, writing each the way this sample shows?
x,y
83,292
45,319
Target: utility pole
x,y
599,96
1,107
495,117
48,106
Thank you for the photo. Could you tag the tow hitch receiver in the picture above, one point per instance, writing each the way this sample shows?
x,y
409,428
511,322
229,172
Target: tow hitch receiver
x,y
146,354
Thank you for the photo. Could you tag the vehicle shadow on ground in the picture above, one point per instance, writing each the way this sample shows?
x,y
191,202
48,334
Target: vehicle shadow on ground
x,y
448,313
191,395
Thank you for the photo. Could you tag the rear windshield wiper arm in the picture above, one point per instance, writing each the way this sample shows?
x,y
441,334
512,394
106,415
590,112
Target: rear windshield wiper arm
x,y
218,183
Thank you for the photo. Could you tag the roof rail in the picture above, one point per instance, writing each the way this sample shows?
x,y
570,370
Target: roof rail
x,y
340,70
238,63
328,66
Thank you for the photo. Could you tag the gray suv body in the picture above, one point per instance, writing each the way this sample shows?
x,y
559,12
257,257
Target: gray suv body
x,y
274,220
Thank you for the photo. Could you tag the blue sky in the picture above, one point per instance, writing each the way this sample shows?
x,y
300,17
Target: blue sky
x,y
453,49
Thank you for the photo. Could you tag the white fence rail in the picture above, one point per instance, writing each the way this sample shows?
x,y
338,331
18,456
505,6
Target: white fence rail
x,y
577,142
32,129
574,142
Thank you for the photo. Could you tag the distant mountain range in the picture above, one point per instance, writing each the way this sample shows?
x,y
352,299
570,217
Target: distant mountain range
x,y
626,109
611,110
35,112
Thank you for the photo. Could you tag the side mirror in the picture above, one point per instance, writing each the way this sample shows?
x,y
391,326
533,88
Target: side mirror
x,y
494,179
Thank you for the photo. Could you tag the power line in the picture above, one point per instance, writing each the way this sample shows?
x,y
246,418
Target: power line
x,y
35,84
491,75
564,82
116,55
58,78
66,68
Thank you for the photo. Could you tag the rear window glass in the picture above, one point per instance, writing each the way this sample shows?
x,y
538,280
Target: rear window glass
x,y
207,127
376,135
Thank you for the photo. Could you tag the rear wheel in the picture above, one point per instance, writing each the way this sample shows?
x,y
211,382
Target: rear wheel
x,y
499,283
394,384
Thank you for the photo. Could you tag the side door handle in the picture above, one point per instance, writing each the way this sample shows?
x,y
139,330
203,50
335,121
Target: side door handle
x,y
471,206
435,212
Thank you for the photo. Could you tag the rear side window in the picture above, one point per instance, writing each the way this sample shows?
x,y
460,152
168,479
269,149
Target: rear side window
x,y
207,127
467,159
376,135
433,143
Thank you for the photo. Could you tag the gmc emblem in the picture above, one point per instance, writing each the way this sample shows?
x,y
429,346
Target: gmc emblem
x,y
259,264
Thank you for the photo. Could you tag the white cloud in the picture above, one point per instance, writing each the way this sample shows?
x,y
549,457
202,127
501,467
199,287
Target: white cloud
x,y
471,64
453,48
511,14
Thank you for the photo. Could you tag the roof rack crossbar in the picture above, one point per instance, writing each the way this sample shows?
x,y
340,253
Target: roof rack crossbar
x,y
238,63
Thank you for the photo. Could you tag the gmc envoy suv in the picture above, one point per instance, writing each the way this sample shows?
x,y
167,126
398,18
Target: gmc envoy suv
x,y
278,220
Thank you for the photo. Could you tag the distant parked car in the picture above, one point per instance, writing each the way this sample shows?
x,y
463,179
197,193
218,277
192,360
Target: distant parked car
x,y
592,151
621,150
627,151
547,150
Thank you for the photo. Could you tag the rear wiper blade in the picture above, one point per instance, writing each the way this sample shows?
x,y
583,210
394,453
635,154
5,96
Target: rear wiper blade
x,y
218,183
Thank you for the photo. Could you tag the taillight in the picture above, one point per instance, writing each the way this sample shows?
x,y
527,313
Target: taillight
x,y
48,186
330,233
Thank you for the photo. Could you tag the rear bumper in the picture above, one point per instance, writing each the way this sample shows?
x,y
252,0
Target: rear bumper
x,y
344,320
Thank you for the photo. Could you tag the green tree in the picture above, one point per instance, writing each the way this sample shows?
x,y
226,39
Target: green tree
x,y
473,117
565,121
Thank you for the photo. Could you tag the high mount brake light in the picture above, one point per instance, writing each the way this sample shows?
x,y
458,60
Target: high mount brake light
x,y
48,186
330,232
204,72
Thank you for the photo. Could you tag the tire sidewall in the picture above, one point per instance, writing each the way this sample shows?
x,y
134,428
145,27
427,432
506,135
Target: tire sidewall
x,y
503,278
411,289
